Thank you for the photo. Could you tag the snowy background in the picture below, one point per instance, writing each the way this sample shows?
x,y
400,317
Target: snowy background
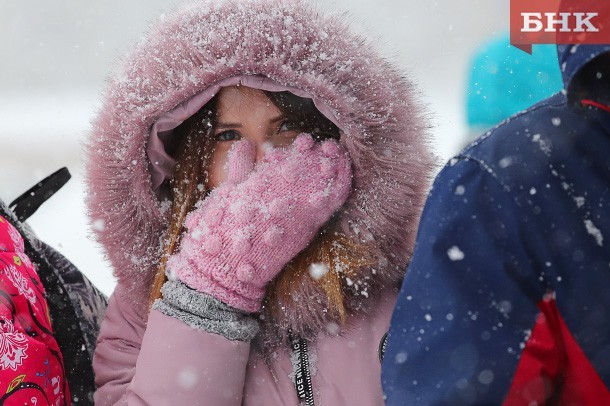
x,y
56,55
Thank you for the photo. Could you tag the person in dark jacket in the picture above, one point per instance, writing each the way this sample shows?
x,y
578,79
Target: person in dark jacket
x,y
50,312
506,299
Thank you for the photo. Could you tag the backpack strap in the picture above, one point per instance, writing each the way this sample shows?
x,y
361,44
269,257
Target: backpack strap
x,y
27,204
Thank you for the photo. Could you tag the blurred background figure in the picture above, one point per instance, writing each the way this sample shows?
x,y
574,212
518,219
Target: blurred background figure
x,y
504,80
507,288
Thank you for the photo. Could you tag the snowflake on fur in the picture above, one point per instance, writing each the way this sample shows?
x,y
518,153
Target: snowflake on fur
x,y
13,345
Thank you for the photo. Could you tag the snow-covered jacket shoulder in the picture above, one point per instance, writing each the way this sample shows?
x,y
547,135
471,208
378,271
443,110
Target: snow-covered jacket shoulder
x,y
507,277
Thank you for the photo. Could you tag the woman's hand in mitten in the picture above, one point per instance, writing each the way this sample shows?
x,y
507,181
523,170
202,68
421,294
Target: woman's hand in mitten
x,y
244,233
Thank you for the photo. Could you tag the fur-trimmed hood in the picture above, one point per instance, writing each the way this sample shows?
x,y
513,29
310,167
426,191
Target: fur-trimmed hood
x,y
293,46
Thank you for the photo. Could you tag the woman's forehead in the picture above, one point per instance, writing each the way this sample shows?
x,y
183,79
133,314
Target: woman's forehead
x,y
236,100
240,93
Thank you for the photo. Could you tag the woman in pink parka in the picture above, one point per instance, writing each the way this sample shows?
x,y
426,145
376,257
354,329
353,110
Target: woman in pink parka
x,y
258,170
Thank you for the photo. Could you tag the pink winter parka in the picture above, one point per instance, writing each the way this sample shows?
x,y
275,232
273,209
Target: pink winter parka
x,y
147,357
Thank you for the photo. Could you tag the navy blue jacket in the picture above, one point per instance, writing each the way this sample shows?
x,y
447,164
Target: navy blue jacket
x,y
507,298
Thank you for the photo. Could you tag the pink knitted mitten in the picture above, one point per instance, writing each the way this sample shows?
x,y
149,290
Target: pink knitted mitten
x,y
244,233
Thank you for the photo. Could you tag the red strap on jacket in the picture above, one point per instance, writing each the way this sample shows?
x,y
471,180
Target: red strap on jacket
x,y
553,368
593,103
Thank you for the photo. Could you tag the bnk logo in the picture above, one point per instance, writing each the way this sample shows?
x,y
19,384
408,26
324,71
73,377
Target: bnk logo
x,y
559,22
562,22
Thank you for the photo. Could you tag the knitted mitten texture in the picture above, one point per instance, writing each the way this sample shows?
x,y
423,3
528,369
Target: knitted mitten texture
x,y
249,227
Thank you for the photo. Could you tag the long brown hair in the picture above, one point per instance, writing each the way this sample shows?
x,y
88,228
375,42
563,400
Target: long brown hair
x,y
329,249
187,185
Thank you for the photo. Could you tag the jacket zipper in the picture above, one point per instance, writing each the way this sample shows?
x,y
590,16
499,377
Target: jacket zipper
x,y
302,372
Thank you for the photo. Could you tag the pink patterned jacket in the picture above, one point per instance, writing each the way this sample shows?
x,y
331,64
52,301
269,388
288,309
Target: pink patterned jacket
x,y
31,363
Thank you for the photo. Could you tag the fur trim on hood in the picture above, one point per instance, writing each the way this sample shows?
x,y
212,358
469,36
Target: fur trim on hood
x,y
294,47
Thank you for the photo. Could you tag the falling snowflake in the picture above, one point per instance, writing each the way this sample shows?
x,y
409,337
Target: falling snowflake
x,y
99,225
187,377
316,271
579,200
544,144
595,232
486,377
401,358
455,254
505,162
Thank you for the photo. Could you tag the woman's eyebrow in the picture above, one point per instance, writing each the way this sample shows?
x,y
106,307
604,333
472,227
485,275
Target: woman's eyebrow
x,y
276,119
227,125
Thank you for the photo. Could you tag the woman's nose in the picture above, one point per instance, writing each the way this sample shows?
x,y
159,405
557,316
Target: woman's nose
x,y
262,148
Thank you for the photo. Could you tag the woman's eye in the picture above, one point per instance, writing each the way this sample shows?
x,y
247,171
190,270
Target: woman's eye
x,y
287,126
229,135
